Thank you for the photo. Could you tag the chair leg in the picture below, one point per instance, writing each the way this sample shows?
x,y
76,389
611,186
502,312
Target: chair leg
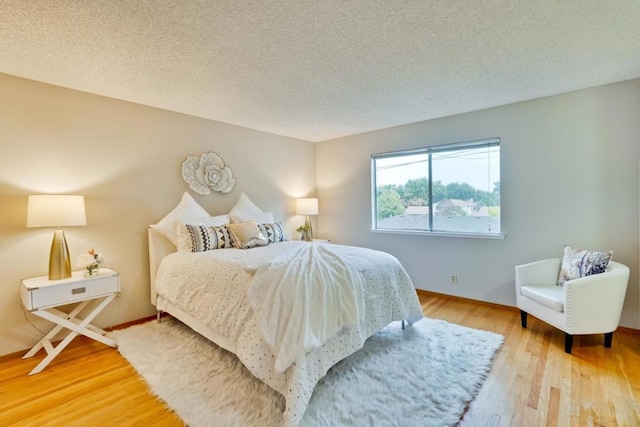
x,y
608,337
568,343
523,318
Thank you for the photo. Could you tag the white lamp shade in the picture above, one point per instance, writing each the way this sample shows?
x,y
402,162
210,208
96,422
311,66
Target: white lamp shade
x,y
55,211
307,206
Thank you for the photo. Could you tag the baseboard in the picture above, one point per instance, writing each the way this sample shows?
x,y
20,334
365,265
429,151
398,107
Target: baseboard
x,y
19,353
419,291
500,306
470,300
136,322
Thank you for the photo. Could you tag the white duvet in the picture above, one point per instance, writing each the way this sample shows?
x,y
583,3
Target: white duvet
x,y
213,287
302,298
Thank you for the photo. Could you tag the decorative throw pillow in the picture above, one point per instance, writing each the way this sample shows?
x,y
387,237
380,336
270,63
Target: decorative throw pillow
x,y
246,235
186,208
184,234
200,238
245,210
273,232
578,263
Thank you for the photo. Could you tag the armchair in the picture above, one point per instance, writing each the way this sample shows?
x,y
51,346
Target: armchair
x,y
588,305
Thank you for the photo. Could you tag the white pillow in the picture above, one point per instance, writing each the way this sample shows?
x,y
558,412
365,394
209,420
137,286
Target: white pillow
x,y
183,236
260,218
244,206
187,208
210,221
245,210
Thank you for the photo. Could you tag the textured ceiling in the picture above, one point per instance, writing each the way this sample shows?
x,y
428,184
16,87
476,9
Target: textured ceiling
x,y
321,69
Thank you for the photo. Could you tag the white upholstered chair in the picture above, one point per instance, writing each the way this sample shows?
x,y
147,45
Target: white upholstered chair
x,y
588,305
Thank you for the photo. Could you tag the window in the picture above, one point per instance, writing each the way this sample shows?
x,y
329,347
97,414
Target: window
x,y
450,189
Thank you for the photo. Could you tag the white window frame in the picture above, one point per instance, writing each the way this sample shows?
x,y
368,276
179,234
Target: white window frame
x,y
489,142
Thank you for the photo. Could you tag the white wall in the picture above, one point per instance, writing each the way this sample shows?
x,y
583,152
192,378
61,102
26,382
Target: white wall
x,y
570,175
126,160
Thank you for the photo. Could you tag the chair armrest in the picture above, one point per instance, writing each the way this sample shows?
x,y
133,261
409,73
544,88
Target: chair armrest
x,y
543,272
593,304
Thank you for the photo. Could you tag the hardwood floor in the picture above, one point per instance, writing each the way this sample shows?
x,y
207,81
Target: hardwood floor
x,y
533,381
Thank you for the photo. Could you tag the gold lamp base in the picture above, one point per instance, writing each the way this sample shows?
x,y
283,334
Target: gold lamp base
x,y
308,235
59,261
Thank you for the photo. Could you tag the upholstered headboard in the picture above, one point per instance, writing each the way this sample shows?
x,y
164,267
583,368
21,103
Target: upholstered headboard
x,y
159,247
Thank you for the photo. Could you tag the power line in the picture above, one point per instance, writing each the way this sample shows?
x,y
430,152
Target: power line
x,y
460,155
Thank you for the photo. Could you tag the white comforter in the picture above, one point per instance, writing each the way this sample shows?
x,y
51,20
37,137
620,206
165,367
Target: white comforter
x,y
212,287
302,298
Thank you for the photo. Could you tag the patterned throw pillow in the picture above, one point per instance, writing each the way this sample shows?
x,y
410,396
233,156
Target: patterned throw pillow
x,y
273,232
578,263
200,238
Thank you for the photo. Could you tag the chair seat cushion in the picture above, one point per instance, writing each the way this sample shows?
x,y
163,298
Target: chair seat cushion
x,y
551,296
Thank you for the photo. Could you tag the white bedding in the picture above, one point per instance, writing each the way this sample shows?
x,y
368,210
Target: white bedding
x,y
303,297
212,286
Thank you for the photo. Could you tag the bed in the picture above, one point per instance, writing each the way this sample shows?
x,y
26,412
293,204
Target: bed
x,y
210,292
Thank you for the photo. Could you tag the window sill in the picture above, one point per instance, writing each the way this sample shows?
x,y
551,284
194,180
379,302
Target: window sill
x,y
442,234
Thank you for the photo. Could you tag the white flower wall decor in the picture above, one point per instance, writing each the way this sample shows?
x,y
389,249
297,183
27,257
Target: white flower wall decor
x,y
207,173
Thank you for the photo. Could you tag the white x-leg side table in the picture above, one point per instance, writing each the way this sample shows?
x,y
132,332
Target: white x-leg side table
x,y
41,296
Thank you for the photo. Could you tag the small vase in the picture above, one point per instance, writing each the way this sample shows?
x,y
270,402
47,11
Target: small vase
x,y
91,272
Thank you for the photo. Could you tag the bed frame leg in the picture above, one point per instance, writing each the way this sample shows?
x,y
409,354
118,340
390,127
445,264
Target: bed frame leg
x,y
402,323
158,313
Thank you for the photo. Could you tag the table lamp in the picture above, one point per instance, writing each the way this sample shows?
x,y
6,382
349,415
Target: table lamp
x,y
307,207
57,211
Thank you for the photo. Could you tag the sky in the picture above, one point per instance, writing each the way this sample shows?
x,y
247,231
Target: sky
x,y
480,170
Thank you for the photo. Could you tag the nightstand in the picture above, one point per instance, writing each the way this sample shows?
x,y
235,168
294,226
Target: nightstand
x,y
41,296
321,241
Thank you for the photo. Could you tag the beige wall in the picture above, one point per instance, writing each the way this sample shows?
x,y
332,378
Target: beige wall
x,y
570,170
126,160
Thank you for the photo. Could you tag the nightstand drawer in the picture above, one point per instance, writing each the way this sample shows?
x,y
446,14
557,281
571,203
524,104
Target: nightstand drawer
x,y
37,293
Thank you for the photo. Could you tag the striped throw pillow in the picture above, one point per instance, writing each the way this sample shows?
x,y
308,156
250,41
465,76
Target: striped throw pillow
x,y
273,232
200,238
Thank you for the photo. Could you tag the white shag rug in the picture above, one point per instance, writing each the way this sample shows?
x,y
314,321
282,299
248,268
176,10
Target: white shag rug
x,y
424,375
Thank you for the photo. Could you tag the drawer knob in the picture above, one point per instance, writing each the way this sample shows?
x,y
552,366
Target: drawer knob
x,y
77,291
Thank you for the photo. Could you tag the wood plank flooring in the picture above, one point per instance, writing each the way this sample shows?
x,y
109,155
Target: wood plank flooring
x,y
533,382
